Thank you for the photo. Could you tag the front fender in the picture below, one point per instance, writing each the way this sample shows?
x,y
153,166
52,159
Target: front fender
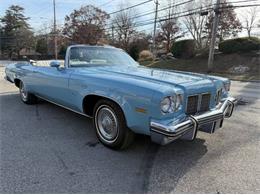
x,y
136,108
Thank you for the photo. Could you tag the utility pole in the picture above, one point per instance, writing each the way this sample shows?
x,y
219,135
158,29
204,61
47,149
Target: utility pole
x,y
0,48
213,36
154,28
113,33
55,30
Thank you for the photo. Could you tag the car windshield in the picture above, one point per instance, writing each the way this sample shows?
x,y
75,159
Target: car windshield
x,y
91,56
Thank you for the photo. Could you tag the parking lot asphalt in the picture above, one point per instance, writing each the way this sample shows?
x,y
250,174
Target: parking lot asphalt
x,y
47,149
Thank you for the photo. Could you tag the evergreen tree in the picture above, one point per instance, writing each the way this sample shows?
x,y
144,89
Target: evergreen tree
x,y
16,32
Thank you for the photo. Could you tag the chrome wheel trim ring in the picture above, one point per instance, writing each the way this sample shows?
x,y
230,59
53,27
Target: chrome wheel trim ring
x,y
106,123
23,92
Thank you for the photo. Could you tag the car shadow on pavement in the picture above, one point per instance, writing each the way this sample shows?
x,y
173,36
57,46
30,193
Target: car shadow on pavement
x,y
70,159
249,93
167,163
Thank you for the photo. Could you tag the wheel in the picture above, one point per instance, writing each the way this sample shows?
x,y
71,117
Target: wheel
x,y
26,97
110,125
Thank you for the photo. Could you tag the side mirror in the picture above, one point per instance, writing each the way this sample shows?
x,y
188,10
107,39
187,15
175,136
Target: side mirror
x,y
55,63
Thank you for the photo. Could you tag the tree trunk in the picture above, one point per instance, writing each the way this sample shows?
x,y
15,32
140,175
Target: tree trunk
x,y
18,54
10,55
168,46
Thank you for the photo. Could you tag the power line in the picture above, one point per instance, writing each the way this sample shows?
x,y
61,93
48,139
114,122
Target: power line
x,y
148,13
165,8
176,5
127,8
240,6
43,9
179,4
220,8
162,9
180,14
185,13
105,4
182,3
147,22
242,1
177,15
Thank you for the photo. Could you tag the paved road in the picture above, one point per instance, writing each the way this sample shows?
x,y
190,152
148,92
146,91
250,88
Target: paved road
x,y
47,149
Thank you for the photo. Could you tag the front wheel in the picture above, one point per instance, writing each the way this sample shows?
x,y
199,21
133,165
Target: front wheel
x,y
111,126
26,97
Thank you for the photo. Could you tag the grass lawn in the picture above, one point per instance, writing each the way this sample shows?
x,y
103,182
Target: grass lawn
x,y
222,65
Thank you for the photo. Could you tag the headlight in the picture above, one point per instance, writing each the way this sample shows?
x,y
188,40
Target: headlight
x,y
166,105
227,86
171,104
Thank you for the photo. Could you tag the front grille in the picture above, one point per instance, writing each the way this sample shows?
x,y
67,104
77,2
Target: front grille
x,y
192,104
198,103
205,101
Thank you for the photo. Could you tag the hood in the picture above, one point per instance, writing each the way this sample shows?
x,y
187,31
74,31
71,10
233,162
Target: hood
x,y
180,79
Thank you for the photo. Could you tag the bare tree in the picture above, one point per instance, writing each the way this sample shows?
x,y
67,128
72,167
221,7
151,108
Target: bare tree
x,y
86,25
250,19
195,23
228,25
124,27
169,27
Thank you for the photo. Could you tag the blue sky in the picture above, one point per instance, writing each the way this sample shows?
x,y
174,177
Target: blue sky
x,y
41,11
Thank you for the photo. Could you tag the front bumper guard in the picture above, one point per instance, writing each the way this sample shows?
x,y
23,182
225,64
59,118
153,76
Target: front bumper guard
x,y
193,122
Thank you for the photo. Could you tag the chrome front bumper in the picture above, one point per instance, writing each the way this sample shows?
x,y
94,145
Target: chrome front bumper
x,y
164,134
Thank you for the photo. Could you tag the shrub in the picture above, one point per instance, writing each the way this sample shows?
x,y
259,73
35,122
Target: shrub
x,y
139,44
62,51
202,53
244,44
184,49
145,55
133,52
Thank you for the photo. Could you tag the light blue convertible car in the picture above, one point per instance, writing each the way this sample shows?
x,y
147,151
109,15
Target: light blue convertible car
x,y
124,98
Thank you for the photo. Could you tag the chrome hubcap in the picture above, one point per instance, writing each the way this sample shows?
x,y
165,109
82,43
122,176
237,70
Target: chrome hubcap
x,y
23,92
106,123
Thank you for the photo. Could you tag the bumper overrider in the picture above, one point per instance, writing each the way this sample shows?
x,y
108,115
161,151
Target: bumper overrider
x,y
187,128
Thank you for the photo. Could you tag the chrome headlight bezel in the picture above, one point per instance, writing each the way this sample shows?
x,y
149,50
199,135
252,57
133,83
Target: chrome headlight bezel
x,y
171,104
179,102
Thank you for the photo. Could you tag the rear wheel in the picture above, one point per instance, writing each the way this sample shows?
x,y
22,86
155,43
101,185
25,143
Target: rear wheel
x,y
26,97
111,126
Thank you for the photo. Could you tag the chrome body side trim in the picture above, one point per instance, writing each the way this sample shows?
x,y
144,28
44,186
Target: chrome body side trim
x,y
63,106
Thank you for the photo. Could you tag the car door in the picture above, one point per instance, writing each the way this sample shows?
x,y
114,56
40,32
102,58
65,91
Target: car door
x,y
53,85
